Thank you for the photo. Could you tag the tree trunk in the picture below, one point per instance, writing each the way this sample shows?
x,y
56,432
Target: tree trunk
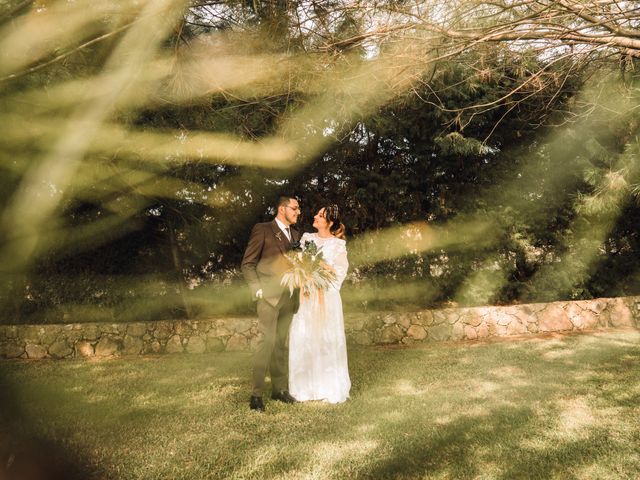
x,y
177,263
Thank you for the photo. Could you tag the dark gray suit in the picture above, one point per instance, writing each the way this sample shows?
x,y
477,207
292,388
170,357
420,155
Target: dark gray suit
x,y
263,265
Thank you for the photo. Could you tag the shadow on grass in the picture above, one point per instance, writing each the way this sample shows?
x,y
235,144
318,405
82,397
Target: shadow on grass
x,y
495,411
517,428
26,453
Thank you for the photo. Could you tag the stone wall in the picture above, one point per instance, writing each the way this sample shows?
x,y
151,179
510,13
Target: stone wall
x,y
232,334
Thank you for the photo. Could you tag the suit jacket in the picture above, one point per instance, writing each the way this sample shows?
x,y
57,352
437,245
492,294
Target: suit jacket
x,y
264,260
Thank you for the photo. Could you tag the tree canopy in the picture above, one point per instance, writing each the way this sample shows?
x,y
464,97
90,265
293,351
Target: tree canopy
x,y
481,152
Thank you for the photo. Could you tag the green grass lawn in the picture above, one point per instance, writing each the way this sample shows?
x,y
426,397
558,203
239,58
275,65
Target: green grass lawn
x,y
552,407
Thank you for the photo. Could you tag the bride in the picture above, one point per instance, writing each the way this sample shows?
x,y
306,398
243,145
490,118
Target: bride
x,y
317,346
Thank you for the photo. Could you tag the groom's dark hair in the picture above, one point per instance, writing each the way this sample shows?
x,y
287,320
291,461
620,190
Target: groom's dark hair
x,y
283,199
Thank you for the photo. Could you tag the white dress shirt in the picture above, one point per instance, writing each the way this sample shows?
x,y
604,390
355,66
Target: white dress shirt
x,y
284,229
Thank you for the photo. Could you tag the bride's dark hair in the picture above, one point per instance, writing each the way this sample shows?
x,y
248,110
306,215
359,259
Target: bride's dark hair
x,y
332,214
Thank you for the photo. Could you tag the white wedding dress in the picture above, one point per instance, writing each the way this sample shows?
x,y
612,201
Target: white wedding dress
x,y
318,367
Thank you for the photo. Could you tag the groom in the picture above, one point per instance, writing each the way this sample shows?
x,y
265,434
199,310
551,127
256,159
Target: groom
x,y
263,265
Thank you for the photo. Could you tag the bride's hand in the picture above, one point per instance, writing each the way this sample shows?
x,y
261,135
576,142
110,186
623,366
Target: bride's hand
x,y
326,266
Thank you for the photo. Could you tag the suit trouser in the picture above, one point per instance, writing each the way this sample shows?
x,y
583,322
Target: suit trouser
x,y
272,352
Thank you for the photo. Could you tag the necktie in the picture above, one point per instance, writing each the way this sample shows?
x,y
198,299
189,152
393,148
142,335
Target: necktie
x,y
288,234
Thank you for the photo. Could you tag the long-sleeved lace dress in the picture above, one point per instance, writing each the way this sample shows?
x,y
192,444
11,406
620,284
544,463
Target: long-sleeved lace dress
x,y
318,367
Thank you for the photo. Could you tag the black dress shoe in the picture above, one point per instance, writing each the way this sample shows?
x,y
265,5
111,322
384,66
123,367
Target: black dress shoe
x,y
283,396
256,404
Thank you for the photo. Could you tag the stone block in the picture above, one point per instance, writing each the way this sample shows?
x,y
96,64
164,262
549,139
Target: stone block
x,y
535,308
11,350
604,319
471,317
391,334
111,328
389,319
107,347
377,321
239,325
32,333
516,328
10,331
511,310
84,349
503,318
620,315
482,331
132,345
183,329
163,330
152,346
196,344
204,326
404,321
597,305
554,318
482,312
51,333
417,332
60,349
213,333
440,332
174,345
457,331
214,344
470,332
524,315
221,331
497,330
35,351
438,317
582,318
574,309
237,342
452,316
424,318
90,332
137,329
71,335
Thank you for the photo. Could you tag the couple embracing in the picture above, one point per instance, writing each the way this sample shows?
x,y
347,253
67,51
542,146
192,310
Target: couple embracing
x,y
302,341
